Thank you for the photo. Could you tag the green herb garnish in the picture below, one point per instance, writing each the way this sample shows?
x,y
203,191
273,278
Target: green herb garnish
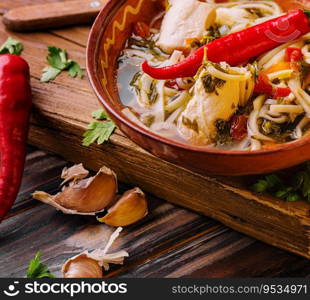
x,y
58,61
100,114
11,46
214,32
75,70
256,12
279,132
210,83
291,189
38,270
135,42
153,94
99,131
193,125
223,132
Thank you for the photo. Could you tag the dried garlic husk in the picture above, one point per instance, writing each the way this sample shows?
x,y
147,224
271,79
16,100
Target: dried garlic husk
x,y
74,173
130,208
89,265
86,196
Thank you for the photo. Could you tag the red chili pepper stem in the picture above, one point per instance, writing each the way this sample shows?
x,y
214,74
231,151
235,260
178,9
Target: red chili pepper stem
x,y
307,12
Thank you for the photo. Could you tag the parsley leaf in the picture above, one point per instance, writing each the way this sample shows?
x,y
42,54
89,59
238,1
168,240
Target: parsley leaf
x,y
58,60
99,131
290,189
75,70
11,46
100,114
49,73
38,270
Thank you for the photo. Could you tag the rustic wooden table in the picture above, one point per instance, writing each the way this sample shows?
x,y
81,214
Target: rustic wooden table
x,y
169,242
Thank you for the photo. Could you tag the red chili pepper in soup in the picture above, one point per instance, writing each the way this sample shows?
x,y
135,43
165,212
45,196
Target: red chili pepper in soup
x,y
238,129
240,46
293,54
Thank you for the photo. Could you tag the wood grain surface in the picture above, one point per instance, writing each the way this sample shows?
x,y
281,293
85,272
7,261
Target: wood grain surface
x,y
60,116
169,242
190,244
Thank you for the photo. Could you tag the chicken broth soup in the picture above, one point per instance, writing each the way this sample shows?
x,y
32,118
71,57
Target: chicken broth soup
x,y
196,86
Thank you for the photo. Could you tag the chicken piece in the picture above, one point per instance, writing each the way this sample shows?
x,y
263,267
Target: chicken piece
x,y
232,16
215,98
184,19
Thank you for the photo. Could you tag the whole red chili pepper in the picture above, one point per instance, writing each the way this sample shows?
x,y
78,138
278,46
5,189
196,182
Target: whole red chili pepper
x,y
15,105
238,47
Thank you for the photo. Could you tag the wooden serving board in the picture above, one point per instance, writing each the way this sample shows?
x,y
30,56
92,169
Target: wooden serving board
x,y
60,116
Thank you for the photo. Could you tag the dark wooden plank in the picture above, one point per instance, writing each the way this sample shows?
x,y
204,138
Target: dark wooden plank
x,y
227,255
170,242
256,260
40,169
59,236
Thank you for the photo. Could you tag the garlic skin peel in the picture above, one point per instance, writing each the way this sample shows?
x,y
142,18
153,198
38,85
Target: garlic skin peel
x,y
90,265
129,209
84,196
74,173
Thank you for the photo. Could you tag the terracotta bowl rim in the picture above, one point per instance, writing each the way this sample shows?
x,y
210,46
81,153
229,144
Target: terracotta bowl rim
x,y
92,51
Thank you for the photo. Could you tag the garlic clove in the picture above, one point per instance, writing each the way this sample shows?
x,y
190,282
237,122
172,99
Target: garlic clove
x,y
130,208
89,265
82,267
74,173
86,196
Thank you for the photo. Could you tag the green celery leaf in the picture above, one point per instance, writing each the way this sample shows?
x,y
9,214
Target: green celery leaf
x,y
298,180
292,197
283,193
38,270
75,70
58,61
98,131
273,181
49,73
57,58
291,188
261,186
11,46
99,114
